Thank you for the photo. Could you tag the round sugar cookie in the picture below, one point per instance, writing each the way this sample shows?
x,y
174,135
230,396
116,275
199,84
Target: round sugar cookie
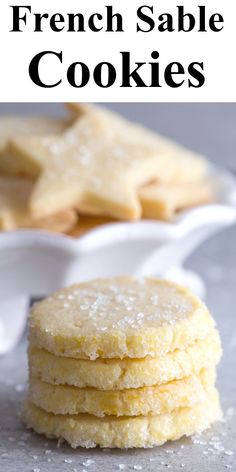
x,y
119,317
124,432
64,399
119,374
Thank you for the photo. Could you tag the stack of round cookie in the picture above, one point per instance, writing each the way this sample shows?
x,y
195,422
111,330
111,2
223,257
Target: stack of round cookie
x,y
122,362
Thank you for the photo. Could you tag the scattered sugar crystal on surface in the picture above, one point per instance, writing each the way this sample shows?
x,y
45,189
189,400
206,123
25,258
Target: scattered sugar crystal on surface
x,y
229,453
88,462
137,467
48,451
129,305
219,447
92,357
19,388
121,466
85,160
84,307
54,148
11,439
35,457
36,470
66,305
68,461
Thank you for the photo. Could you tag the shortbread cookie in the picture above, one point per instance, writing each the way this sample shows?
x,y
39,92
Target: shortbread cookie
x,y
87,223
161,201
97,165
14,212
61,222
79,109
15,163
184,165
124,432
64,399
117,374
119,317
15,126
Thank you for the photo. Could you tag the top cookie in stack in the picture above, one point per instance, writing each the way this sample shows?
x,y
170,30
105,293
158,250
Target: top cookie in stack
x,y
118,318
122,362
98,164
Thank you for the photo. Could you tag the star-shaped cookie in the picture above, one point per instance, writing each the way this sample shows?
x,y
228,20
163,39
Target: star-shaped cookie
x,y
162,201
98,164
14,212
14,126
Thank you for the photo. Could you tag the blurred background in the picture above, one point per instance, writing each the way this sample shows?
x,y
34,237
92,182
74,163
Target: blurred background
x,y
209,128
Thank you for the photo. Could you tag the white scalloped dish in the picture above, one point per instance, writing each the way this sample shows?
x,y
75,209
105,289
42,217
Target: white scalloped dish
x,y
34,263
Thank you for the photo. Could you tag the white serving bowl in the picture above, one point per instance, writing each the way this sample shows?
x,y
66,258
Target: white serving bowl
x,y
34,263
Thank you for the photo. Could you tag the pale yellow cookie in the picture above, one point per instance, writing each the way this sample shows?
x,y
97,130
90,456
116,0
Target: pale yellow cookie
x,y
14,211
161,201
61,222
14,126
97,165
119,317
158,201
124,432
16,163
117,374
184,165
155,400
79,109
87,223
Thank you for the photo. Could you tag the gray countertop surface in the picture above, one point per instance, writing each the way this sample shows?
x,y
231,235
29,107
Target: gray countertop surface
x,y
215,450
